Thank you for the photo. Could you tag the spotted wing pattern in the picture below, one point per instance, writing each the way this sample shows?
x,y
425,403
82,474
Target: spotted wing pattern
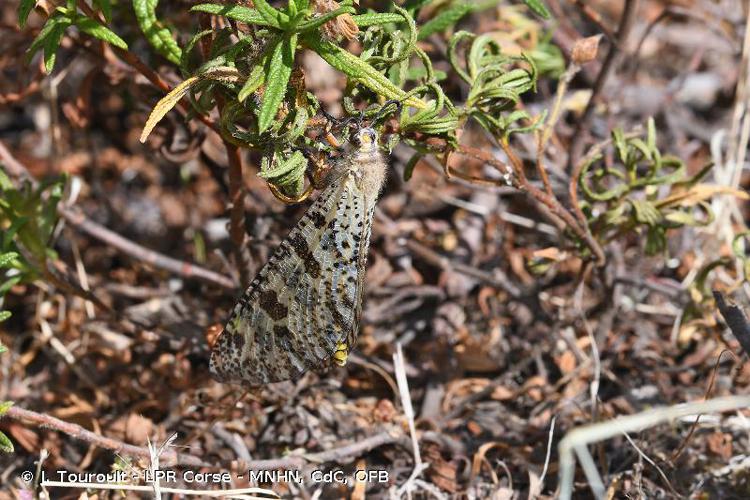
x,y
303,302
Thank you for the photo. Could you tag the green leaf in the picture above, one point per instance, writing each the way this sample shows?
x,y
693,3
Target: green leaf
x,y
5,444
359,71
51,44
402,47
5,183
2,347
445,19
539,8
158,36
101,32
646,212
10,283
321,20
236,12
6,259
254,81
272,16
24,9
5,406
49,38
279,70
106,7
374,19
288,171
291,8
3,316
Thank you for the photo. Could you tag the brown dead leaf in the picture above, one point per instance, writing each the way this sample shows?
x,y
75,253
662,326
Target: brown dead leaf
x,y
699,193
441,472
566,362
720,444
585,49
24,437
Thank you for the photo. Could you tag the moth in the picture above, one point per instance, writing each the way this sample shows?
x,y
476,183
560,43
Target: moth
x,y
302,310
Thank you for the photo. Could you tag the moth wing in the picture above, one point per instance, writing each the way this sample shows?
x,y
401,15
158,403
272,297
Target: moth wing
x,y
361,272
301,303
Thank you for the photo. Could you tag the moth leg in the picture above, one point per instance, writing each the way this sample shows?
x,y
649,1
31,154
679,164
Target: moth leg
x,y
291,199
337,122
321,162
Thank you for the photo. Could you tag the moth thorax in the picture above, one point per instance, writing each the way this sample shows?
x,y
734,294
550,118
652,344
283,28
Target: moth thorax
x,y
369,162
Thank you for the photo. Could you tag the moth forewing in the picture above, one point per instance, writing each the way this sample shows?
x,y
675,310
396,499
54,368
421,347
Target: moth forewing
x,y
302,310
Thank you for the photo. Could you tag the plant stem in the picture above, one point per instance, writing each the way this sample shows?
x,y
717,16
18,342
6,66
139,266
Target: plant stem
x,y
237,212
623,30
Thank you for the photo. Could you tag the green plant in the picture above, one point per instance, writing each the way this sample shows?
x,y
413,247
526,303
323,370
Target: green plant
x,y
27,219
248,71
643,191
265,105
28,215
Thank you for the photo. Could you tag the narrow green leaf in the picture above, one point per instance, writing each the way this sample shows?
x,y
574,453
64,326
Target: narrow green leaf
x,y
321,20
49,30
157,35
3,316
359,71
402,48
51,44
24,9
236,12
10,283
254,81
373,19
539,8
101,32
272,16
5,444
445,19
185,58
288,172
279,70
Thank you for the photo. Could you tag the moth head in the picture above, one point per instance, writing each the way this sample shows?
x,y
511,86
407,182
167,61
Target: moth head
x,y
366,139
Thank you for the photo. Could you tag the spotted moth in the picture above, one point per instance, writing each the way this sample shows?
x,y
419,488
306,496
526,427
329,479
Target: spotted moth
x,y
302,310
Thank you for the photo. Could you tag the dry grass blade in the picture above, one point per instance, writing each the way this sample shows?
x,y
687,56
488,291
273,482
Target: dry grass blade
x,y
576,441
